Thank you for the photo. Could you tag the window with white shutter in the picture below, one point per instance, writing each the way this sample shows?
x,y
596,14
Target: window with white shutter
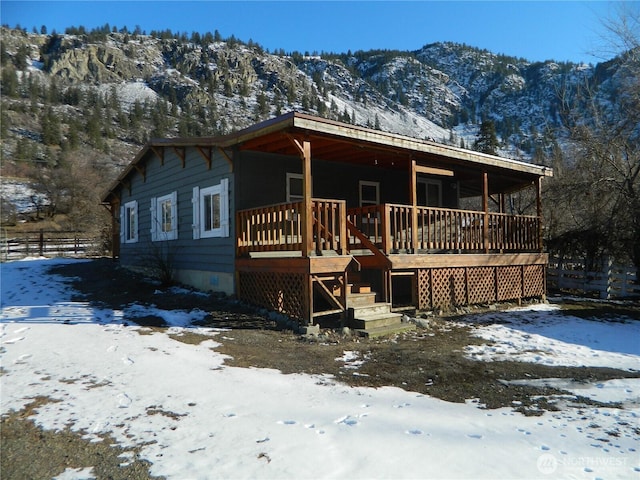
x,y
129,222
211,211
164,217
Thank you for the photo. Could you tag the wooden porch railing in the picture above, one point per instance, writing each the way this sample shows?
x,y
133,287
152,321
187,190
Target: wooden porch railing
x,y
279,227
389,227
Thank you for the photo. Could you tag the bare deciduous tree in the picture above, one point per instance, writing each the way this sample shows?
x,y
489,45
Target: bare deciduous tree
x,y
595,199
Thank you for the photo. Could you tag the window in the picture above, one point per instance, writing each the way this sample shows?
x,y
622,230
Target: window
x,y
295,187
164,217
129,222
429,192
211,211
369,193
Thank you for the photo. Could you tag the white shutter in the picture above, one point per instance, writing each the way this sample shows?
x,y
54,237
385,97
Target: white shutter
x,y
154,219
174,215
136,222
195,200
224,207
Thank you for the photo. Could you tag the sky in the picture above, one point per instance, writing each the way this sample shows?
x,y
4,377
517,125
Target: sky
x,y
534,30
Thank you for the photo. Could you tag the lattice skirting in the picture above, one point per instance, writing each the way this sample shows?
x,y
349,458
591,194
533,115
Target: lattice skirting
x,y
451,287
280,292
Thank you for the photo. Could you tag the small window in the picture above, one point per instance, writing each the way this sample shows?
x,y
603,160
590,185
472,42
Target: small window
x,y
211,211
295,187
129,222
429,192
369,193
164,217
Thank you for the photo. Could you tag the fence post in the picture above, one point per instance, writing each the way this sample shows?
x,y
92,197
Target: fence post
x,y
607,270
41,243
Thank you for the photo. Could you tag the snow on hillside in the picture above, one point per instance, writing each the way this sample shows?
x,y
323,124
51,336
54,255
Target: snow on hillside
x,y
130,92
21,194
230,422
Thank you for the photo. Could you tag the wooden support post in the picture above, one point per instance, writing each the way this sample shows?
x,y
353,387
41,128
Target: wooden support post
x,y
344,297
387,244
539,212
414,207
342,218
485,209
307,217
309,300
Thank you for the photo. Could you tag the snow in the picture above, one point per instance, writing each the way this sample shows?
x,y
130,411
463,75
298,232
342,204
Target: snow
x,y
194,417
21,193
535,334
129,93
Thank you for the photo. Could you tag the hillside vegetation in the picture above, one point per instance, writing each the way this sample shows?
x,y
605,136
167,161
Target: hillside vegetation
x,y
76,107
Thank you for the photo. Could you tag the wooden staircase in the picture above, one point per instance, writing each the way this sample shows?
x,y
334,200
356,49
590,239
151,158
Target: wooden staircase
x,y
369,318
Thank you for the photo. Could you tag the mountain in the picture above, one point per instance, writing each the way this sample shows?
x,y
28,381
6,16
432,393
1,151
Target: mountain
x,y
100,95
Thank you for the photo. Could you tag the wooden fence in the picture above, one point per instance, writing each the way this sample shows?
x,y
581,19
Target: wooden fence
x,y
612,281
50,244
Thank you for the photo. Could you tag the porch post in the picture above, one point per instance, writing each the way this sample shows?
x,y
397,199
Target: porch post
x,y
414,207
307,216
539,212
485,208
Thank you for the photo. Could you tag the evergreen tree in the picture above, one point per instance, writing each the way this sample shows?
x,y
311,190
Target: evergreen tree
x,y
21,57
228,88
4,123
73,134
486,140
9,85
4,56
262,107
50,125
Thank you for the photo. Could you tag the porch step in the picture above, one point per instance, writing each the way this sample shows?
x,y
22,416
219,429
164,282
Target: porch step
x,y
352,288
366,311
386,330
360,288
376,320
361,299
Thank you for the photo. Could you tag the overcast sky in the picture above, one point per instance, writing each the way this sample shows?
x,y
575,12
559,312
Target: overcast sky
x,y
537,31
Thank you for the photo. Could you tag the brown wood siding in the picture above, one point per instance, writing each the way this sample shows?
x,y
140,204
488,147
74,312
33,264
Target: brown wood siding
x,y
261,180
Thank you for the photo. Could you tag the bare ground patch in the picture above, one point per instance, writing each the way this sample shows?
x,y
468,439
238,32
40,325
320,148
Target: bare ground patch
x,y
429,360
28,451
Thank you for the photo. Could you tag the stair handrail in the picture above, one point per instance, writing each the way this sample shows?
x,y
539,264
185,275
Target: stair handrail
x,y
369,244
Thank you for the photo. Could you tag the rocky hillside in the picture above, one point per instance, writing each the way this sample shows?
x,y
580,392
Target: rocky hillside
x,y
98,96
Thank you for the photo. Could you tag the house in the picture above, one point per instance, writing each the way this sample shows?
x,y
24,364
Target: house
x,y
311,217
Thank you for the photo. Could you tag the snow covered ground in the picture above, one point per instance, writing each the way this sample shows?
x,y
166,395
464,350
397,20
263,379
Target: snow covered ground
x,y
197,418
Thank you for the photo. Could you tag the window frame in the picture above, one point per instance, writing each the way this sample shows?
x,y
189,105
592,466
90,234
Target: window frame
x,y
368,183
294,198
157,216
433,182
129,230
199,203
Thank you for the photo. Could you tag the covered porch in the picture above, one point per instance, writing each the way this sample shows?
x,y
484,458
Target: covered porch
x,y
416,257
415,247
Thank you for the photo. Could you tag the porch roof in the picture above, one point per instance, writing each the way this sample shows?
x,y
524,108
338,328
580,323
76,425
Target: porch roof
x,y
345,143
